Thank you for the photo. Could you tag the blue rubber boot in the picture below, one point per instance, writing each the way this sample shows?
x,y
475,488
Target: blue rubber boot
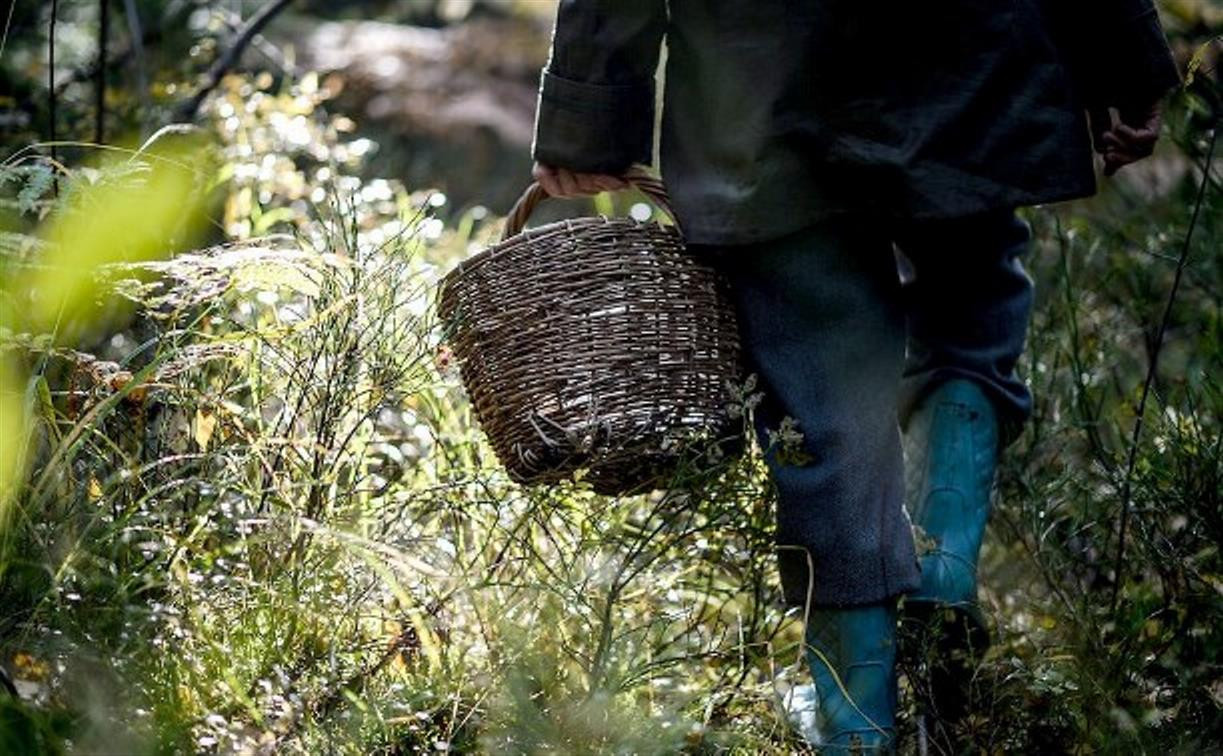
x,y
952,445
852,657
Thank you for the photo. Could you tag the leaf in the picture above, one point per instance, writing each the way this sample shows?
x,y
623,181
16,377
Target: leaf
x,y
46,406
205,424
265,275
271,218
38,182
44,398
1195,63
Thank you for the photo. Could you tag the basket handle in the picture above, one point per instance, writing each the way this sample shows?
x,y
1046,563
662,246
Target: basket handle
x,y
637,176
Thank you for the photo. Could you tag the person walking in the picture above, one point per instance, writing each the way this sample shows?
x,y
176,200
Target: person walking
x,y
804,144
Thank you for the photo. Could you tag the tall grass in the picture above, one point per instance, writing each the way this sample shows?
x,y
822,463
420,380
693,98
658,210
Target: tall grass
x,y
270,525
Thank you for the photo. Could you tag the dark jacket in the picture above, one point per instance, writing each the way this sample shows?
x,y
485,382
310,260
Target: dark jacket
x,y
780,112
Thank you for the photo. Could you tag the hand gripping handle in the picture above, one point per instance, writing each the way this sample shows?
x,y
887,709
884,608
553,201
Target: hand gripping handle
x,y
638,177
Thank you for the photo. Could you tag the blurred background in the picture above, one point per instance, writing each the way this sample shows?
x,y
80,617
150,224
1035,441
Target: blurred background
x,y
444,90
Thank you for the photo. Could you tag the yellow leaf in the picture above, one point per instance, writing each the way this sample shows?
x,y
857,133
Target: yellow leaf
x,y
205,424
95,489
28,667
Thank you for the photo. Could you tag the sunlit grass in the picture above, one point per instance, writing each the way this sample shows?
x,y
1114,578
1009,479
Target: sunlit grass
x,y
144,206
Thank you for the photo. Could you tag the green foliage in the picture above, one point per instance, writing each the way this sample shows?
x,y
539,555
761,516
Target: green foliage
x,y
271,523
1140,673
26,729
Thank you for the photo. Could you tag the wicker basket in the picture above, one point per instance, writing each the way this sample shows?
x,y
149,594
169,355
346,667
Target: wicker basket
x,y
594,344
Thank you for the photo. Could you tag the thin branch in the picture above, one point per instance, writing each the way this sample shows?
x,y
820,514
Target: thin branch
x,y
230,57
1152,367
261,45
99,123
51,92
8,24
137,51
143,38
7,683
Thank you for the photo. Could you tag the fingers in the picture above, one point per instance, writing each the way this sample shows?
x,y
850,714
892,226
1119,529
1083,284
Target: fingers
x,y
1121,154
1101,122
545,175
1140,127
593,183
1132,143
569,185
562,182
557,182
610,183
1143,135
1130,138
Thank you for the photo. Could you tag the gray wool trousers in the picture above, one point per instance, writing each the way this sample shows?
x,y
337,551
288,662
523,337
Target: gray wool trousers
x,y
846,342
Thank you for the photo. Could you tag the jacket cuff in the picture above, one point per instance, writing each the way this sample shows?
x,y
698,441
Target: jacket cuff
x,y
593,128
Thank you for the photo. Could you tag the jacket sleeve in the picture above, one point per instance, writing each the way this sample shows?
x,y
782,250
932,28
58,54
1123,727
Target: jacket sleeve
x,y
1118,52
596,95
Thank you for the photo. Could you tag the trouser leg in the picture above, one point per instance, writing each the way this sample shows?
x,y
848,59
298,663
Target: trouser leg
x,y
823,328
968,301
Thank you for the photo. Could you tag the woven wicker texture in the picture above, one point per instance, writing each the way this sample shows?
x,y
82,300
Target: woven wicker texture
x,y
594,343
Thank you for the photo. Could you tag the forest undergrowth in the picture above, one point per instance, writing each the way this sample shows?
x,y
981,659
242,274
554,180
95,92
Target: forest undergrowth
x,y
253,513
